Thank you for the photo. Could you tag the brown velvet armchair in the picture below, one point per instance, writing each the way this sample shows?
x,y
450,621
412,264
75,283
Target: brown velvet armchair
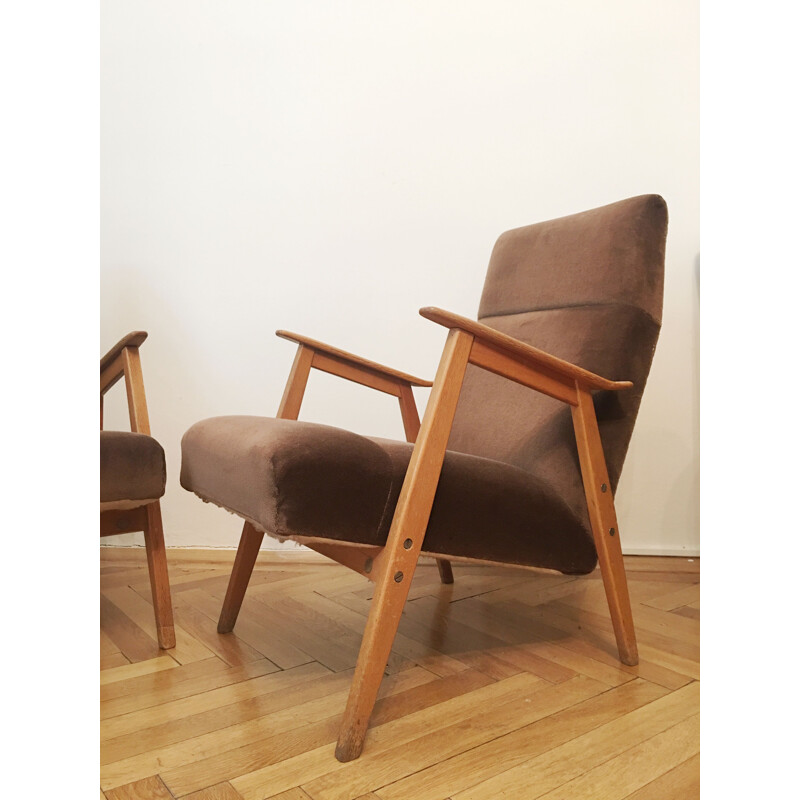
x,y
519,452
133,476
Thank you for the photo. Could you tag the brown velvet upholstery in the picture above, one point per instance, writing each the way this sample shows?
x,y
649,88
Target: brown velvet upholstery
x,y
301,479
586,288
133,469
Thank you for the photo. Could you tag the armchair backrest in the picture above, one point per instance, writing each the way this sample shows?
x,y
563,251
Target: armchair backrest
x,y
587,288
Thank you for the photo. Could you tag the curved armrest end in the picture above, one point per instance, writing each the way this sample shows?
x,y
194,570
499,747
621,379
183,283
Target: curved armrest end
x,y
133,339
521,352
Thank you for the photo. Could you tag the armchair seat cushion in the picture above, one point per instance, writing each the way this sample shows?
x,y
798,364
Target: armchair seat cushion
x,y
300,479
133,470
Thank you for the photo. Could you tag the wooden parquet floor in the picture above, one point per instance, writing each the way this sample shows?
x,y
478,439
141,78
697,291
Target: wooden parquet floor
x,y
505,684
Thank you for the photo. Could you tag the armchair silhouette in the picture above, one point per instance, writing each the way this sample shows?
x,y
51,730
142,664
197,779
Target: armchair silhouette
x,y
519,452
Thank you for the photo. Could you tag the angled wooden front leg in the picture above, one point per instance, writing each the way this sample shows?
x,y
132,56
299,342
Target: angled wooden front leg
x,y
159,577
408,410
603,518
251,539
243,565
396,564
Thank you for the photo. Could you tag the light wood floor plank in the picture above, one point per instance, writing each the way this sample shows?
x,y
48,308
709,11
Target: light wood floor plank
x,y
420,651
486,724
563,763
131,640
503,753
151,788
398,697
151,723
135,670
316,763
113,660
222,791
256,713
681,782
636,767
255,627
140,610
676,599
292,794
210,678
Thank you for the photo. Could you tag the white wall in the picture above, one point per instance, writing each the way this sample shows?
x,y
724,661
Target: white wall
x,y
331,167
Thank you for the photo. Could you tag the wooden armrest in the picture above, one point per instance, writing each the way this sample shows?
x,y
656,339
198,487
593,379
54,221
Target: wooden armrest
x,y
520,352
393,375
133,339
123,359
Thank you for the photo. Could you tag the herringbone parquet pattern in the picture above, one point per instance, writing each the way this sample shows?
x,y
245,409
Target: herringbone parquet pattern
x,y
505,684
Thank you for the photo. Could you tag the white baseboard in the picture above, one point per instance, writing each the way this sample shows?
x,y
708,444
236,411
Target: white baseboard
x,y
654,550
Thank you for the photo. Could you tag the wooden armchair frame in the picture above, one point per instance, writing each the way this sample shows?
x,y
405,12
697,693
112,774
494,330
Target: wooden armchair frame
x,y
392,567
123,361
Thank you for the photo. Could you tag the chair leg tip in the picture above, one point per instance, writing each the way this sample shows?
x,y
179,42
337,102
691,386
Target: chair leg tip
x,y
166,638
348,750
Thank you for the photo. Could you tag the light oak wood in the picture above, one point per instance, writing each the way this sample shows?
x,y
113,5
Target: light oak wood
x,y
522,353
344,369
222,791
398,561
524,743
296,384
411,424
556,766
539,378
356,361
123,360
605,527
263,732
246,557
151,788
134,670
134,386
159,577
134,339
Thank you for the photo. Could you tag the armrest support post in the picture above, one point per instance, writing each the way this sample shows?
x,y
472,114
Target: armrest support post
x,y
122,360
296,384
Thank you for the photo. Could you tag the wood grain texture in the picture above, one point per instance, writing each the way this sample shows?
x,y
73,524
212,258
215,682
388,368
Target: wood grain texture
x,y
353,360
396,564
522,353
513,689
605,528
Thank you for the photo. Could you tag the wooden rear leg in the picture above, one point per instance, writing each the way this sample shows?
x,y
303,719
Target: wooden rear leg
x,y
243,565
445,570
396,564
605,529
159,578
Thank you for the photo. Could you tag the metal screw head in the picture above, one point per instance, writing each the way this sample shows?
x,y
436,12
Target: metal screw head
x,y
398,576
604,488
612,532
368,566
407,544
